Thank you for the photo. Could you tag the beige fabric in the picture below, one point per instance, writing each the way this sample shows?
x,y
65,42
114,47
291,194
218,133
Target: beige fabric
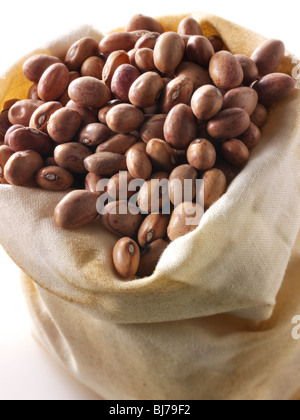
x,y
209,324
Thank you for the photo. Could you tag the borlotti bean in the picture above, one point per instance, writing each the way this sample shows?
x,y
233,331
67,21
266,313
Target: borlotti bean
x,y
201,154
54,178
153,227
30,139
189,26
42,114
225,70
137,122
117,143
35,66
214,185
178,91
21,112
126,257
63,125
53,82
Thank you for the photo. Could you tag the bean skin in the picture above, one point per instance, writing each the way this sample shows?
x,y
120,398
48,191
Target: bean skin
x,y
54,178
126,257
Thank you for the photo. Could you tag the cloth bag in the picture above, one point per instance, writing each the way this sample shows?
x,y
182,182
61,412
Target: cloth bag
x,y
214,322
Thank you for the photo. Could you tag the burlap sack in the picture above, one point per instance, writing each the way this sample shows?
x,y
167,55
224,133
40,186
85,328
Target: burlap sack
x,y
215,319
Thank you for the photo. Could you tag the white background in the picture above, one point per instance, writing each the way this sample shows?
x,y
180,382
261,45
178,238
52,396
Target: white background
x,y
26,371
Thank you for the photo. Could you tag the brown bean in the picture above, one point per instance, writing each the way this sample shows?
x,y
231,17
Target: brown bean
x,y
21,112
179,187
121,218
126,257
54,178
215,185
161,155
144,60
87,115
180,127
117,41
251,137
124,76
5,153
21,167
199,50
124,118
189,26
168,52
225,70
30,139
274,87
119,143
104,110
10,131
71,156
93,134
92,184
63,125
93,67
76,209
42,114
195,73
5,123
148,40
268,56
150,257
259,116
138,163
228,124
154,227
114,60
89,92
217,43
185,219
243,97
33,92
201,154
142,22
53,82
153,127
250,69
145,91
235,152
118,186
105,163
35,66
206,102
65,98
178,91
80,51
154,195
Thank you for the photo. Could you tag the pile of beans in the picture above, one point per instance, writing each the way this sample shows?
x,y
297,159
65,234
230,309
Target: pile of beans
x,y
144,104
